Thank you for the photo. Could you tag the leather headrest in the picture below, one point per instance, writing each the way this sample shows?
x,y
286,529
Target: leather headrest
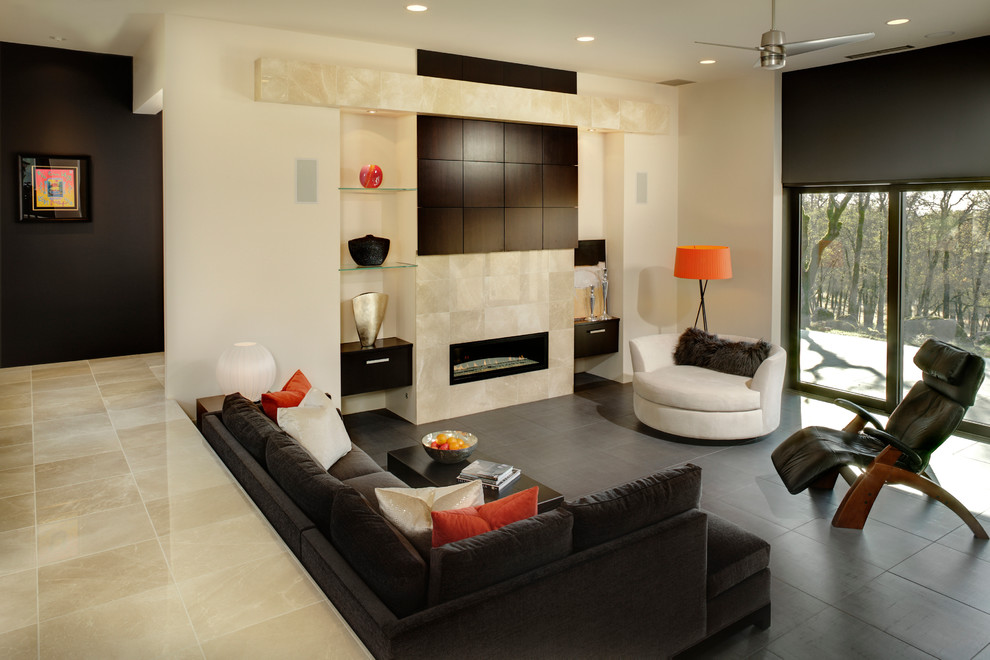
x,y
949,369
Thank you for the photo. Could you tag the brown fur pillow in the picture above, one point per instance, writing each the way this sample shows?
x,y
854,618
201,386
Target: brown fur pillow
x,y
742,358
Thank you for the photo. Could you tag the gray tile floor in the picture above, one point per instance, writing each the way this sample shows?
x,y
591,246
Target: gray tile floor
x,y
913,584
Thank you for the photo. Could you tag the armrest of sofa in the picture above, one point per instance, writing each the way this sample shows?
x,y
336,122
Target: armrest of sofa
x,y
769,377
652,351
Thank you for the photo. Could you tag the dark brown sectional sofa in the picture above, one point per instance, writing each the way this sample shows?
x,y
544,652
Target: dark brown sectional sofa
x,y
635,571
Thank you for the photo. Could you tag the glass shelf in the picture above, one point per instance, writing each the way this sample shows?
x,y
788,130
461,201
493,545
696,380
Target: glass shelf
x,y
374,190
396,264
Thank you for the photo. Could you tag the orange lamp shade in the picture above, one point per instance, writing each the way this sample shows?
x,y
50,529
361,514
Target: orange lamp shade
x,y
702,262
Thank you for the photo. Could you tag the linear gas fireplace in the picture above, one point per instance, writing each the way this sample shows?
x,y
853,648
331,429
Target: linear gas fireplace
x,y
494,358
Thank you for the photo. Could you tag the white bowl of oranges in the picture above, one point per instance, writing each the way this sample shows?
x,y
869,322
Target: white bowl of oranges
x,y
449,446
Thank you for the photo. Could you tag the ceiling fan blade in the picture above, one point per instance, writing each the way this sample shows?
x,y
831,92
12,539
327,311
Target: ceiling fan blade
x,y
798,47
709,43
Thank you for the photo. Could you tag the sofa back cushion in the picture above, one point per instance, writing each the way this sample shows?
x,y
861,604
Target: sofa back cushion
x,y
701,349
377,552
474,563
618,511
249,425
303,479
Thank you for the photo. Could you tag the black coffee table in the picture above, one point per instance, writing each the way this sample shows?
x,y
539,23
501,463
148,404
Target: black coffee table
x,y
416,468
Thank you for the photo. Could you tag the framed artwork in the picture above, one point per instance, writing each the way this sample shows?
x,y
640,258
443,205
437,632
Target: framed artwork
x,y
54,188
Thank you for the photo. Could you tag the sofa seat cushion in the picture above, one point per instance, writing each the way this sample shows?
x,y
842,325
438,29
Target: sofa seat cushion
x,y
471,564
696,388
733,555
612,513
303,479
379,553
249,425
354,463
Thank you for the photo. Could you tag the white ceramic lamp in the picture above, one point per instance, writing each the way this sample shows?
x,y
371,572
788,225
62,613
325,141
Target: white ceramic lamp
x,y
246,367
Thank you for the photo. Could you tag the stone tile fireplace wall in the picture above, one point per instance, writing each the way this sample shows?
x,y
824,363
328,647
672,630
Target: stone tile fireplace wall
x,y
470,297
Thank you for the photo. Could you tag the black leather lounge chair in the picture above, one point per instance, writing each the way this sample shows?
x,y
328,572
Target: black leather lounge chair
x,y
898,454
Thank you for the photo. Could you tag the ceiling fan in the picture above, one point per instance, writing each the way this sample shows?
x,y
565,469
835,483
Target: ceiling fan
x,y
774,50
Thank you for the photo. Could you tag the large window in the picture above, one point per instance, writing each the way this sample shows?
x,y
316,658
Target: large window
x,y
876,272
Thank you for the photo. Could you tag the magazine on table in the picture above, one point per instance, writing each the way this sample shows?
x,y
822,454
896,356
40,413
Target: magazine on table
x,y
486,471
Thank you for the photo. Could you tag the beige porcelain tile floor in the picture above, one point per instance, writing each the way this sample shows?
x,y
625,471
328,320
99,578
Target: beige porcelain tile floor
x,y
123,536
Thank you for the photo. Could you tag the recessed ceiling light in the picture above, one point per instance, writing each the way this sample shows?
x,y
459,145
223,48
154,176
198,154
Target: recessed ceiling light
x,y
372,112
586,38
898,21
707,61
416,7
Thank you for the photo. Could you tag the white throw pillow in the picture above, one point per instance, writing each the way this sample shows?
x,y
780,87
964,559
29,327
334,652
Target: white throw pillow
x,y
315,424
409,508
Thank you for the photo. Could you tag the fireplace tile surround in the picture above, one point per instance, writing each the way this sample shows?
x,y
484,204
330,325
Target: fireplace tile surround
x,y
471,297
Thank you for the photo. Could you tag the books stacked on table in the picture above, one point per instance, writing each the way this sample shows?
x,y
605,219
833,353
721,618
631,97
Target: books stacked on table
x,y
493,476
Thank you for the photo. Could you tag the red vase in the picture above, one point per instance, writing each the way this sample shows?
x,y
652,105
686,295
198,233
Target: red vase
x,y
371,176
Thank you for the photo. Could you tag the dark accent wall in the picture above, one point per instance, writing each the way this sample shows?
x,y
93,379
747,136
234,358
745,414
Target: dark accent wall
x,y
918,115
92,289
494,72
488,186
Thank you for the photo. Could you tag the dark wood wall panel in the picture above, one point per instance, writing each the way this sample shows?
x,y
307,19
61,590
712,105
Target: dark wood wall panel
x,y
440,138
522,75
494,72
560,145
524,229
476,69
560,228
439,65
441,183
484,184
523,184
502,201
484,140
560,185
441,231
523,143
484,230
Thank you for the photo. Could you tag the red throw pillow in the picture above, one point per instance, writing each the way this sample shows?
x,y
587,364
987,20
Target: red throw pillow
x,y
456,524
290,396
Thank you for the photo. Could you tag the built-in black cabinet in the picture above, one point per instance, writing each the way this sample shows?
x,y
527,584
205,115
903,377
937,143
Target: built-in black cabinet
x,y
383,366
488,186
596,337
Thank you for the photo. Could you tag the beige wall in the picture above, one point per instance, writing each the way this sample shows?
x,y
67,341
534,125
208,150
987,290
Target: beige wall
x,y
640,237
729,194
243,261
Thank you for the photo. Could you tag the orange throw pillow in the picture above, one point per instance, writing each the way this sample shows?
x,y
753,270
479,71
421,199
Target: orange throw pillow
x,y
456,524
290,396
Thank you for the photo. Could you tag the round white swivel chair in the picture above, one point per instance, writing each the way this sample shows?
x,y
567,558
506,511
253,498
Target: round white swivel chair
x,y
695,402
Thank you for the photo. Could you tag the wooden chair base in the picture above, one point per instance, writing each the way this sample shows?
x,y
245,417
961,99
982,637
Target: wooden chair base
x,y
858,502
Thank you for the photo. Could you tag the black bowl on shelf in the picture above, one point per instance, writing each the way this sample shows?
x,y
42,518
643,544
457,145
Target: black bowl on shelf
x,y
450,455
368,250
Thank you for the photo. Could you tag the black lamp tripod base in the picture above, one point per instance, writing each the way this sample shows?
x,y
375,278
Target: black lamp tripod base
x,y
701,308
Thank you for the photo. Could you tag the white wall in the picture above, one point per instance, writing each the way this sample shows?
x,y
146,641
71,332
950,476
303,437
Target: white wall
x,y
640,237
243,261
729,194
149,72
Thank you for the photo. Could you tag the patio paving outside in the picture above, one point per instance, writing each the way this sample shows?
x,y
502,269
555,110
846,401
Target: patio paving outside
x,y
859,365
